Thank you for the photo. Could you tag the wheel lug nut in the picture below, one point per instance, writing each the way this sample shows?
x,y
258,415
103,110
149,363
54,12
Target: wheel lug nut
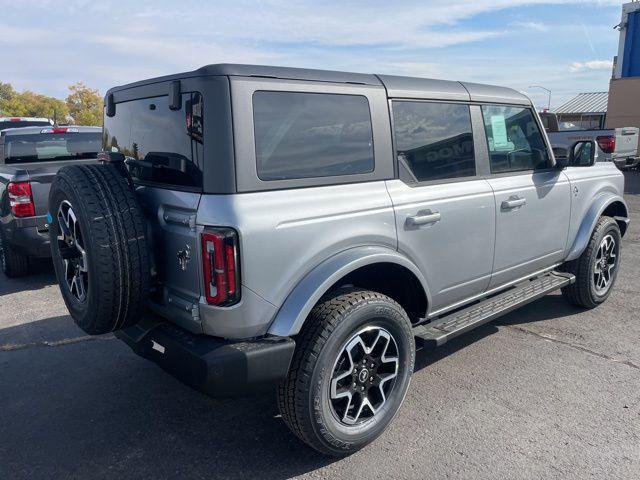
x,y
354,385
371,379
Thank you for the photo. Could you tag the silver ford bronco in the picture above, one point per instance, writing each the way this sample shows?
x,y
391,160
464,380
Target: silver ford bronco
x,y
253,228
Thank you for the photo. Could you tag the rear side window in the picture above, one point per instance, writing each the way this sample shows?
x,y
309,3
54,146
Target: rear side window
x,y
434,141
306,135
164,146
514,139
43,147
23,123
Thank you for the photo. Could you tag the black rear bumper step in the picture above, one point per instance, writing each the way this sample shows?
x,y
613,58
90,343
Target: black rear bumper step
x,y
445,328
217,367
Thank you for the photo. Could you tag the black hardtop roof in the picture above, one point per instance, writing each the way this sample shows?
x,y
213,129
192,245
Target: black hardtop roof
x,y
397,86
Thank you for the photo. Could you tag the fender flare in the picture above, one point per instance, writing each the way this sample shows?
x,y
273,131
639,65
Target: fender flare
x,y
295,309
599,205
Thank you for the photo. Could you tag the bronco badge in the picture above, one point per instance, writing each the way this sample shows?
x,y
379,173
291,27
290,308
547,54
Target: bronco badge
x,y
183,257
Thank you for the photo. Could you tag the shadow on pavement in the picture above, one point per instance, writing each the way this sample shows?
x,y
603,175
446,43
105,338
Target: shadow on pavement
x,y
550,307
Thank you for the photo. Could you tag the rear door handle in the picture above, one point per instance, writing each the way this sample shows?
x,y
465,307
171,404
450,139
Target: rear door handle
x,y
423,218
513,202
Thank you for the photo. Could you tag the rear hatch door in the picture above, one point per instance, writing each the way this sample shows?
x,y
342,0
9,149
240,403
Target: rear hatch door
x,y
164,150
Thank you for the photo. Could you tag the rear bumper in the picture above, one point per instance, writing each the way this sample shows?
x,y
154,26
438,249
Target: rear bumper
x,y
29,236
217,367
630,162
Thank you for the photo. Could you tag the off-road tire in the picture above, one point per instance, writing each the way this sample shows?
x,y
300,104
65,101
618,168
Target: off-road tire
x,y
303,396
14,264
582,293
114,235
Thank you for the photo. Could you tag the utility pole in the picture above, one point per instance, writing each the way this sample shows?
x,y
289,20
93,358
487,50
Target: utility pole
x,y
548,92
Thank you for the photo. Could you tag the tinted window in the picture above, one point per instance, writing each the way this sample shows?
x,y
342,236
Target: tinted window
x,y
23,123
39,147
434,140
165,146
514,139
304,135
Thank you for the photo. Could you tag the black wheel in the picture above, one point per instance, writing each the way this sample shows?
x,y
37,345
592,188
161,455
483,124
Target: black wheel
x,y
99,247
597,268
350,372
14,264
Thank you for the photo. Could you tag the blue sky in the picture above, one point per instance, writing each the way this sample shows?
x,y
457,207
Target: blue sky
x,y
566,46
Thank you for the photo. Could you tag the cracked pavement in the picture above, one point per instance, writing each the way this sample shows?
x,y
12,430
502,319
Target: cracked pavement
x,y
548,391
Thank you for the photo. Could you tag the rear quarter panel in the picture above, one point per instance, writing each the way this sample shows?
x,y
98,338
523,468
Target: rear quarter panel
x,y
284,234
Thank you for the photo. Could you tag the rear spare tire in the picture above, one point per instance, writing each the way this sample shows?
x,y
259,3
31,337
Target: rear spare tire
x,y
99,247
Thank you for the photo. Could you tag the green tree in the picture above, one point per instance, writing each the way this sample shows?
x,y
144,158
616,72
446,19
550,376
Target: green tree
x,y
6,91
30,104
85,105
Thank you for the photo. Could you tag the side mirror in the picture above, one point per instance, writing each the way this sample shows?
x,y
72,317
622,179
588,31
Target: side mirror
x,y
562,162
582,153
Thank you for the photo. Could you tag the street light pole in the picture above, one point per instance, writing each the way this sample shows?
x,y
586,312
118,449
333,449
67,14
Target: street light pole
x,y
548,92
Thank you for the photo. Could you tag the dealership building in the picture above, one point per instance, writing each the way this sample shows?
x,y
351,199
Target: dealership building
x,y
624,91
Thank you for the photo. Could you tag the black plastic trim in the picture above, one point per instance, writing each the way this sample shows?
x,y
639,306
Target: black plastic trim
x,y
214,366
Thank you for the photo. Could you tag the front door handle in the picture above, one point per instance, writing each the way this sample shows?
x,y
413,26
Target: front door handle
x,y
423,218
513,202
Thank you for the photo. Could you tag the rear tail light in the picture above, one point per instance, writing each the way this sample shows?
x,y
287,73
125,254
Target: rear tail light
x,y
59,130
220,259
21,199
607,143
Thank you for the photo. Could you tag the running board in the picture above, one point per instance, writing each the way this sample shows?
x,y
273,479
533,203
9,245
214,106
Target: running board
x,y
443,329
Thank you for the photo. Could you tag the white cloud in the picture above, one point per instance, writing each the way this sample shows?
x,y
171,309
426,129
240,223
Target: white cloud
x,y
591,65
530,25
52,44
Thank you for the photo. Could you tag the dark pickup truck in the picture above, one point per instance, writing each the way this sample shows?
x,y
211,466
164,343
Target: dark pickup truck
x,y
30,157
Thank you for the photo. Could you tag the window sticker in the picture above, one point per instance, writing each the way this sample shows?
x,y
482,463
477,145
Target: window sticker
x,y
499,133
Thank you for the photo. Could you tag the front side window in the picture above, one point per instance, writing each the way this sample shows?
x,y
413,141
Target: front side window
x,y
307,135
514,139
434,140
164,146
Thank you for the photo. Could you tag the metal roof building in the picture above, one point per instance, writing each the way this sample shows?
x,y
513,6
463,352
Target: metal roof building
x,y
583,103
584,111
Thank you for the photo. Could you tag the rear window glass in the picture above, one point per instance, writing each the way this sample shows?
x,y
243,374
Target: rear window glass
x,y
39,147
23,123
163,146
306,135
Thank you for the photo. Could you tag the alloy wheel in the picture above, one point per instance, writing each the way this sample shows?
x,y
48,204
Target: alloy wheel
x,y
364,375
72,252
605,264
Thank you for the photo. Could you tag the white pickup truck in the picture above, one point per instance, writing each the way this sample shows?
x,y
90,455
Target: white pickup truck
x,y
619,145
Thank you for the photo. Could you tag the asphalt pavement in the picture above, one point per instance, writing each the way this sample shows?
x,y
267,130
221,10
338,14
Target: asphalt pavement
x,y
549,391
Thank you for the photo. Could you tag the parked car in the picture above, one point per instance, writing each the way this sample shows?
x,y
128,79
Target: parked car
x,y
618,145
260,227
17,122
29,160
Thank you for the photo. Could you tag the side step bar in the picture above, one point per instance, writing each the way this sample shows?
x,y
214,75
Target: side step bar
x,y
443,329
